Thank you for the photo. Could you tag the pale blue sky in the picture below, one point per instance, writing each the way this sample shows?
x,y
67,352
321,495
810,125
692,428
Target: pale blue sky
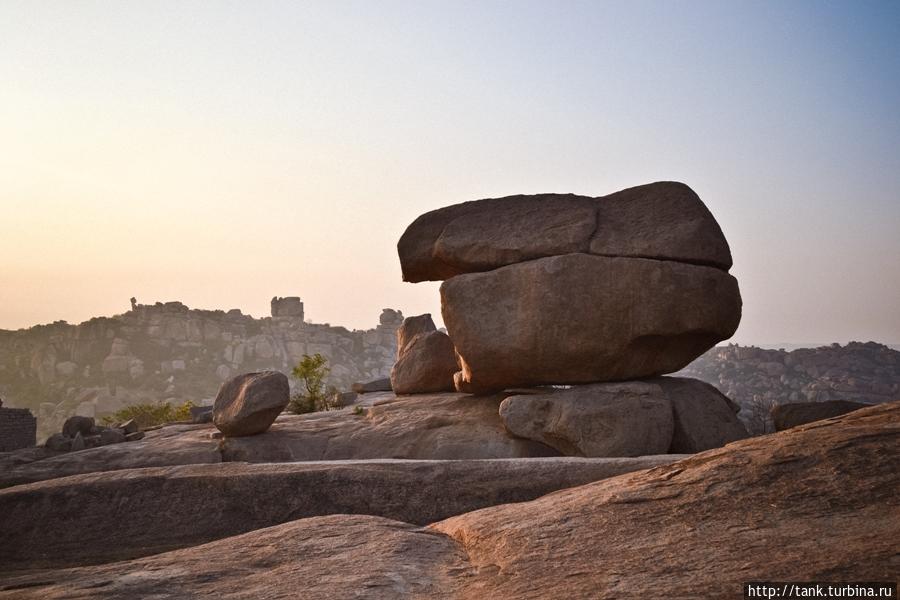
x,y
221,153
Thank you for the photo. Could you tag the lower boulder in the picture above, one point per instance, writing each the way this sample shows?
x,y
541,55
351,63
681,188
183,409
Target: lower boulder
x,y
603,420
248,404
425,365
630,418
786,416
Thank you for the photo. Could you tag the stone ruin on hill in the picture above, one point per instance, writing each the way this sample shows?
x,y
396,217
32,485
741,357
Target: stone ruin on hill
x,y
600,294
167,351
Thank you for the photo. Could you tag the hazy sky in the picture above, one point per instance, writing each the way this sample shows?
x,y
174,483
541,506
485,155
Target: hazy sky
x,y
220,153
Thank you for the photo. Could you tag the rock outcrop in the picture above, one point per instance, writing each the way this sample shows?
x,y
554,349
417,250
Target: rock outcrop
x,y
423,427
169,352
79,517
249,403
759,379
426,364
369,387
786,416
605,419
631,418
704,418
411,327
80,433
817,502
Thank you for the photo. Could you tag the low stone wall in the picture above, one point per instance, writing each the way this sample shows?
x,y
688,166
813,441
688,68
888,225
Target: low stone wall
x,y
18,429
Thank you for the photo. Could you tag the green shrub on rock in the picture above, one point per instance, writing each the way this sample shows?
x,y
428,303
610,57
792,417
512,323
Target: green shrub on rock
x,y
150,415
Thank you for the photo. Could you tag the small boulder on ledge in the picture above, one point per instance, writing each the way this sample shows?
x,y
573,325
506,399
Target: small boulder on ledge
x,y
78,424
426,365
249,403
376,385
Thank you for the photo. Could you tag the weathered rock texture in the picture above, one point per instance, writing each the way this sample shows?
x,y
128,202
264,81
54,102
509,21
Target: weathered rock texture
x,y
411,327
663,220
631,418
426,364
704,418
369,387
580,318
249,403
77,517
611,419
817,502
173,353
759,379
786,416
425,427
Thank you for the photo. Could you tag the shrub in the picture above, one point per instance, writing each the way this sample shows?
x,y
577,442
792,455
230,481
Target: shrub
x,y
313,395
150,415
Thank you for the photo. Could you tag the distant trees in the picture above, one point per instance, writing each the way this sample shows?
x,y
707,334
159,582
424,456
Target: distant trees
x,y
313,395
757,414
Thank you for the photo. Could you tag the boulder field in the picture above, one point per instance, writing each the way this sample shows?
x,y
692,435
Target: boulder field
x,y
817,502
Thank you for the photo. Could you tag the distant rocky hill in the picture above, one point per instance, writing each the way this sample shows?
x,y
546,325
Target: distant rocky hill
x,y
167,351
759,379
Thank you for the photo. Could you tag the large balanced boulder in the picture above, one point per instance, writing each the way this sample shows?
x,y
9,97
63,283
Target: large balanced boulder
x,y
249,403
786,416
704,417
426,364
664,220
603,420
630,418
580,318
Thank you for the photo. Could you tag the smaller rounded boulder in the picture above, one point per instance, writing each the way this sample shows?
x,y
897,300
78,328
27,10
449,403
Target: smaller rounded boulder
x,y
249,403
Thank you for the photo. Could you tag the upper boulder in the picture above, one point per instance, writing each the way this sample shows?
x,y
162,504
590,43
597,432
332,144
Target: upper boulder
x,y
663,220
249,403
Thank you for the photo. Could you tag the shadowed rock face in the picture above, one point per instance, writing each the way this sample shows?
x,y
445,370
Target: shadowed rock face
x,y
607,419
817,502
786,416
426,365
104,517
411,327
580,318
629,418
663,220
